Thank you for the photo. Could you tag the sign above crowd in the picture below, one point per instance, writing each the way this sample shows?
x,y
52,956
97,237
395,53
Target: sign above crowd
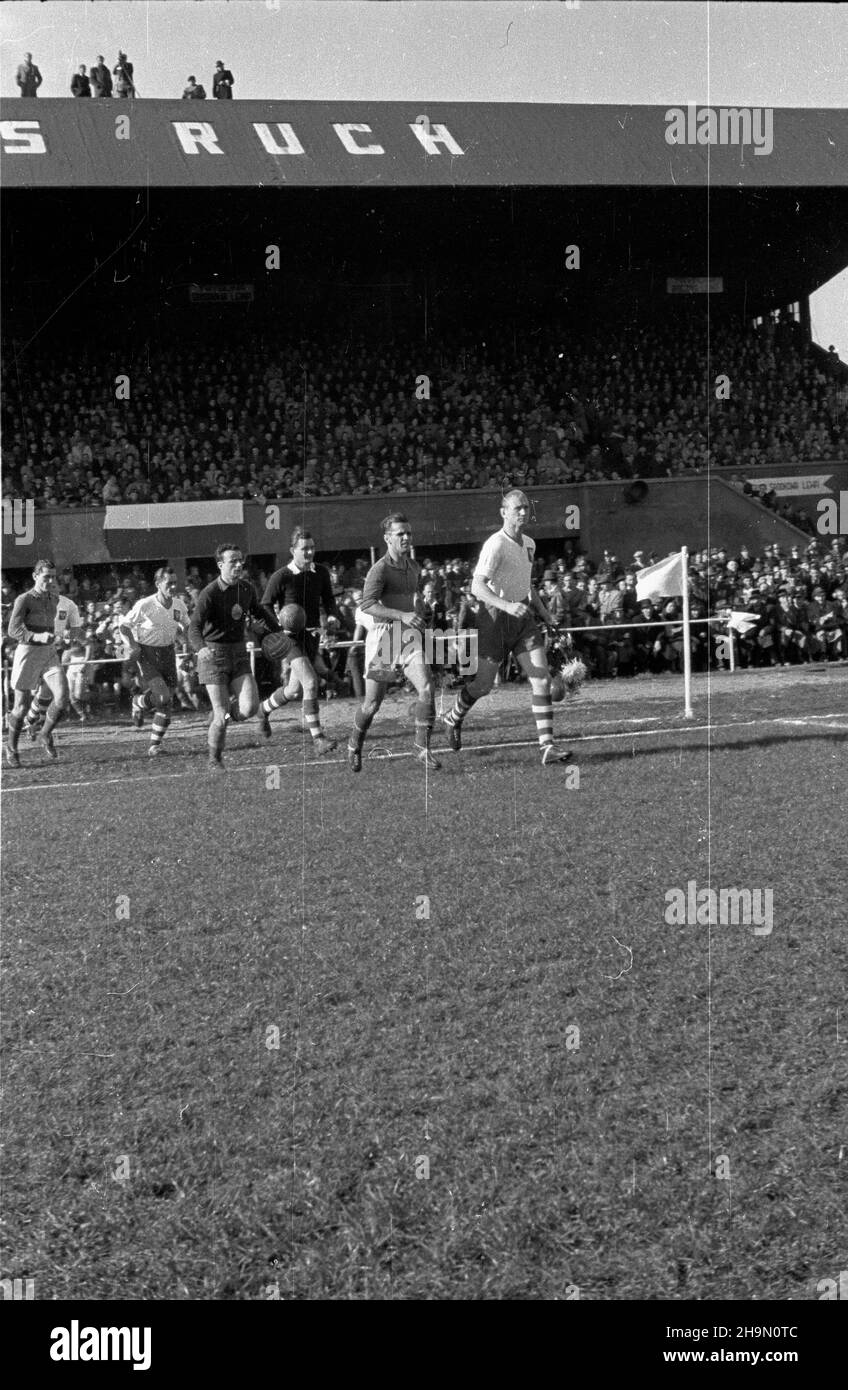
x,y
151,143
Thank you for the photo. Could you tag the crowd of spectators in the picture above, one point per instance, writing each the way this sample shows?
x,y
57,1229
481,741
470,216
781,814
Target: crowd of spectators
x,y
267,417
98,82
795,605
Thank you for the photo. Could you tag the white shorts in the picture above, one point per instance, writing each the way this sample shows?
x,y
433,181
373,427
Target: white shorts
x,y
393,646
33,661
77,683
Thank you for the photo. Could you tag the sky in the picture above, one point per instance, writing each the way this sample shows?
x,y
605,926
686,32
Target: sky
x,y
474,50
448,50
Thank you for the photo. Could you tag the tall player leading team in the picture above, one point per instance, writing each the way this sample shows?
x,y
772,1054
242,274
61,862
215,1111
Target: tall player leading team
x,y
511,621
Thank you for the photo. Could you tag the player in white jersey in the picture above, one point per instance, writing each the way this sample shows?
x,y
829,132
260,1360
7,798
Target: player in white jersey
x,y
76,661
506,625
152,628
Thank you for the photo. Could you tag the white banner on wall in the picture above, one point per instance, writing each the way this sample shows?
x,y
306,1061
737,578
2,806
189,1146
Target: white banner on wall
x,y
793,487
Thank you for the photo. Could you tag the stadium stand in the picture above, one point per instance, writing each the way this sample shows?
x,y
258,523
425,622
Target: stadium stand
x,y
322,417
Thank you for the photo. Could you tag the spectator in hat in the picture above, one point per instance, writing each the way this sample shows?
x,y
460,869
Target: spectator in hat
x,y
101,78
194,91
28,77
791,635
549,589
647,647
123,73
609,613
80,85
222,82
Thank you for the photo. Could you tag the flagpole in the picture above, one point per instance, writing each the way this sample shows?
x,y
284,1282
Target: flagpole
x,y
687,645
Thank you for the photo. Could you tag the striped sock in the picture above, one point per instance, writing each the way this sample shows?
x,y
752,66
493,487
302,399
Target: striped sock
x,y
361,725
39,707
425,714
463,703
543,713
274,701
312,717
160,724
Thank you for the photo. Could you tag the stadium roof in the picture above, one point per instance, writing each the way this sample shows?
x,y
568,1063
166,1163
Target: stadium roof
x,y
63,142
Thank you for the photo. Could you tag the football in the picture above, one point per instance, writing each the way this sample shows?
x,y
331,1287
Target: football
x,y
292,618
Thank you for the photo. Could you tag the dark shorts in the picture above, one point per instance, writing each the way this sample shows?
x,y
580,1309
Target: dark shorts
x,y
499,634
158,661
305,644
111,671
222,663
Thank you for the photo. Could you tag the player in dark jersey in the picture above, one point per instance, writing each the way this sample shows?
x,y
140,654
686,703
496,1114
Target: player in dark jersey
x,y
390,600
32,625
309,585
67,627
218,634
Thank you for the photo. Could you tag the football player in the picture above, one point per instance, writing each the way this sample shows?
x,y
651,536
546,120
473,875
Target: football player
x,y
33,626
152,628
218,634
307,585
67,627
390,598
506,625
76,661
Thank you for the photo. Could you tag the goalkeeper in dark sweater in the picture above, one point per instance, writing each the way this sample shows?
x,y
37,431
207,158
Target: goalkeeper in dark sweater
x,y
308,586
218,631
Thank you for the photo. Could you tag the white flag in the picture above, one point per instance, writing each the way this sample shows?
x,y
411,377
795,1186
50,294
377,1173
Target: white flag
x,y
742,622
663,580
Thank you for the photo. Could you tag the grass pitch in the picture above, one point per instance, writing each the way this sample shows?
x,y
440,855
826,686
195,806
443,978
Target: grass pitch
x,y
391,1036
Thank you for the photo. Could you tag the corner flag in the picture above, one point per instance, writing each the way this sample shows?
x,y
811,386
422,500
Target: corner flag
x,y
663,580
670,579
742,622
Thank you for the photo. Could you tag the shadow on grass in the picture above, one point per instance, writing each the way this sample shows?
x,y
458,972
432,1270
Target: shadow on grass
x,y
640,748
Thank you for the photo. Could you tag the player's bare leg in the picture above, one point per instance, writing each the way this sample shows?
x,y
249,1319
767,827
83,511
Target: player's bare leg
x,y
15,723
421,678
303,673
534,664
77,702
374,694
219,698
37,711
302,678
158,698
58,684
535,667
244,698
287,692
275,700
467,698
